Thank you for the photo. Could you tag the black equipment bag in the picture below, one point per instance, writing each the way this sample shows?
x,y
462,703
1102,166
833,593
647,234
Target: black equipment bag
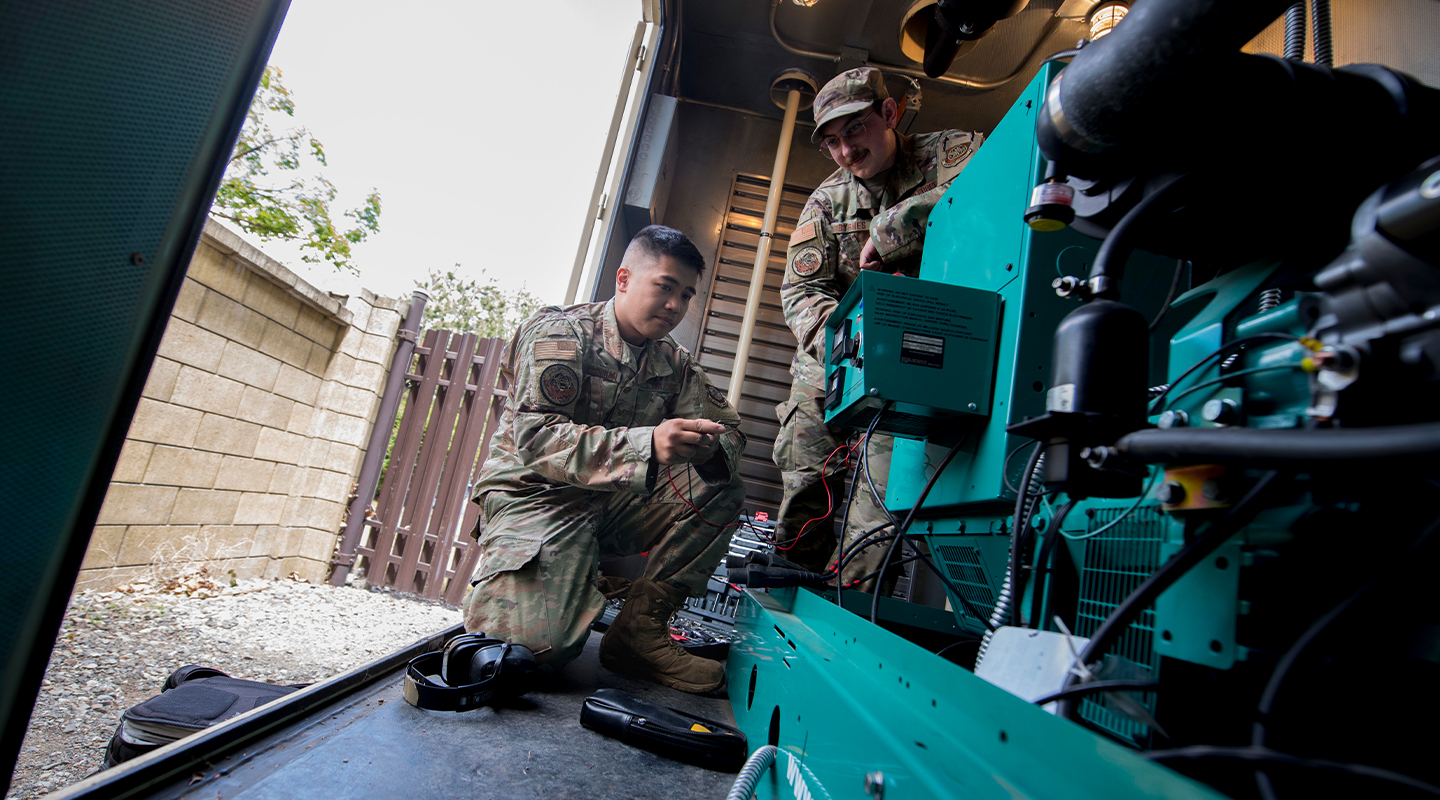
x,y
193,699
665,731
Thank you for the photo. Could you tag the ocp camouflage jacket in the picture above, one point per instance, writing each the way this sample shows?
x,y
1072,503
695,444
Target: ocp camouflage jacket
x,y
581,411
824,254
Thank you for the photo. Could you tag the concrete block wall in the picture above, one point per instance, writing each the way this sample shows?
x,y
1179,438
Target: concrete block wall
x,y
249,436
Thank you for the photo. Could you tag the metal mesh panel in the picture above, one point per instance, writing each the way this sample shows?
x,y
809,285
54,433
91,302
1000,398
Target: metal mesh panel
x,y
1116,562
966,570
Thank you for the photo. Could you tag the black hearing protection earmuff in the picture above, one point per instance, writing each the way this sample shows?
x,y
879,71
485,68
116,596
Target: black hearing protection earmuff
x,y
473,671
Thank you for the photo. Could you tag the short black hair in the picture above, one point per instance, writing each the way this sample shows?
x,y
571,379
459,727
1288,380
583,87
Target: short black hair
x,y
658,240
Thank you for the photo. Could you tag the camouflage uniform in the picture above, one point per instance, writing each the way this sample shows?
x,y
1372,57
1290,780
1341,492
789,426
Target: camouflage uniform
x,y
570,478
822,262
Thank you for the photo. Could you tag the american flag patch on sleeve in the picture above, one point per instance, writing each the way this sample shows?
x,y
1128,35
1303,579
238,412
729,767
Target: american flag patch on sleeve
x,y
804,233
555,350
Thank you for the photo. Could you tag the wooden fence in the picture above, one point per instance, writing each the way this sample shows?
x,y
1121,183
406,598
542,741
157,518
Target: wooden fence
x,y
418,540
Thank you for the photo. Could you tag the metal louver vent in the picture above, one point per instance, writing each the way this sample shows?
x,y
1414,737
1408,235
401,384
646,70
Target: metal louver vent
x,y
966,569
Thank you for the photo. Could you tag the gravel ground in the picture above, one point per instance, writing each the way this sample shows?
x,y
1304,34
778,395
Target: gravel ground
x,y
116,648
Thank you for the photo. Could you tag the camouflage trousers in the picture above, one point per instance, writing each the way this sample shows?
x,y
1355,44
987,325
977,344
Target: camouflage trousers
x,y
801,450
535,583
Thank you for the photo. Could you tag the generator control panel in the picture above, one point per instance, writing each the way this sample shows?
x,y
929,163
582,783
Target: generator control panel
x,y
927,349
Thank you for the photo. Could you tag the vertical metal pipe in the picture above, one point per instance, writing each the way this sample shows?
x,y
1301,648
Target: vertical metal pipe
x,y
762,253
379,438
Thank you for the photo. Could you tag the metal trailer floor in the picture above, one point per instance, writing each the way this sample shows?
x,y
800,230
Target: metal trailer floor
x,y
374,744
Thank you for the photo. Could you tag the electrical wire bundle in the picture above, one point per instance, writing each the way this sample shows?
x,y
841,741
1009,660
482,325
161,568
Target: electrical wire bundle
x,y
773,574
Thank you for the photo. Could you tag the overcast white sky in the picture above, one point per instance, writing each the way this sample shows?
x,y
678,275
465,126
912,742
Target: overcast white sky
x,y
481,124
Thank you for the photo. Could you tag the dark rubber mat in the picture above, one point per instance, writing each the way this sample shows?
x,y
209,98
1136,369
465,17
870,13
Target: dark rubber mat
x,y
374,744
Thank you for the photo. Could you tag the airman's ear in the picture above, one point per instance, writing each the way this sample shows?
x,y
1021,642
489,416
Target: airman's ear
x,y
622,279
890,110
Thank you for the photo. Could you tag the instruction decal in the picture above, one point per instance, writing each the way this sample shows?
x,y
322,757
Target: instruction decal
x,y
923,350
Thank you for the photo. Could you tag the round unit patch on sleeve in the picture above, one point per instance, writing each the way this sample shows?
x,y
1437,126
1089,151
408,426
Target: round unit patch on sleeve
x,y
559,384
955,153
807,261
716,396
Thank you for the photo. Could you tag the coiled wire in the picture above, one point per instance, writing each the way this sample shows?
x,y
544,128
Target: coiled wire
x,y
1001,613
749,777
1295,32
1269,299
1320,26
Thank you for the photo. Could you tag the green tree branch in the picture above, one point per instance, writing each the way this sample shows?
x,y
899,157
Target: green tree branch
x,y
475,305
297,210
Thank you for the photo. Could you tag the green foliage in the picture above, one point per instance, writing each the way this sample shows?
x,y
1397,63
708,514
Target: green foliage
x,y
288,206
475,306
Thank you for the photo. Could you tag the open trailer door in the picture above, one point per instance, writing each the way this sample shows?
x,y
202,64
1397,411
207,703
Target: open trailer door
x,y
118,122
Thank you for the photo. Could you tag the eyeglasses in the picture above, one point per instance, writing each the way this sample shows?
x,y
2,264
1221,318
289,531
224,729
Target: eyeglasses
x,y
830,145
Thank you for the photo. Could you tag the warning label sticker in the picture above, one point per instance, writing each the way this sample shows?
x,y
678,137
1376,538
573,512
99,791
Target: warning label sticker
x,y
926,351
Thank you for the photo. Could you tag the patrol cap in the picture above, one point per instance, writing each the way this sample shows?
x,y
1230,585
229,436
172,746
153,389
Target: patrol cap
x,y
850,92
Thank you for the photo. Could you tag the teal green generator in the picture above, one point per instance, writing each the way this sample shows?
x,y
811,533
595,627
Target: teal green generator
x,y
926,349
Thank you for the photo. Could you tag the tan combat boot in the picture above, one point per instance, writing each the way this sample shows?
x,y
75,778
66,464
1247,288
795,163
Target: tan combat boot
x,y
638,642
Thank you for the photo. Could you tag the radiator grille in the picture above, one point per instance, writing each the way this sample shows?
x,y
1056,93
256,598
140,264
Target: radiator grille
x,y
1116,562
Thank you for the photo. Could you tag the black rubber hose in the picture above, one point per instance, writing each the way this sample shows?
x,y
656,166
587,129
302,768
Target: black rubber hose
x,y
1169,296
1163,578
905,526
1017,529
1155,402
974,612
1144,98
1282,446
866,540
884,565
1110,260
1115,80
1042,564
850,498
1320,25
1295,32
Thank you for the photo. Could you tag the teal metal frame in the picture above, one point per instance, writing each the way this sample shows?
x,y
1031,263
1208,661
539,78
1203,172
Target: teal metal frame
x,y
848,699
977,238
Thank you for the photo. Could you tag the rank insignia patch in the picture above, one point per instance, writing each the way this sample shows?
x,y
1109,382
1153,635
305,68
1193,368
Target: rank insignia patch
x,y
955,154
559,384
716,396
807,261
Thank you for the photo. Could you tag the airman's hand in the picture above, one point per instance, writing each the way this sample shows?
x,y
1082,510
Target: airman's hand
x,y
870,256
679,441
